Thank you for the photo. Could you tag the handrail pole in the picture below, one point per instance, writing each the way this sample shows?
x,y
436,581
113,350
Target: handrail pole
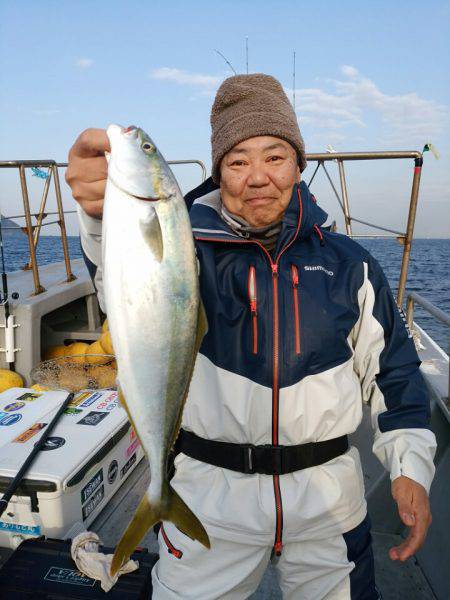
x,y
410,311
62,224
41,216
314,174
26,207
409,229
347,217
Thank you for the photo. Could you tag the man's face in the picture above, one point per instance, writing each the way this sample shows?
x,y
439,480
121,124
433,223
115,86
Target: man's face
x,y
257,177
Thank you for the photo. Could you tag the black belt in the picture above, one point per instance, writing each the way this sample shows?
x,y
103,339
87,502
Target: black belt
x,y
267,459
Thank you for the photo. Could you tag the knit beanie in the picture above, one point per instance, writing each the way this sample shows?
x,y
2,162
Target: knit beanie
x,y
247,106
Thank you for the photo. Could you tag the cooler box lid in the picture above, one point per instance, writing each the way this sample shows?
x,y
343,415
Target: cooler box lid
x,y
92,421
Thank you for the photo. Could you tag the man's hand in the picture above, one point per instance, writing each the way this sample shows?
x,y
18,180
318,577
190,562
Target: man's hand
x,y
414,510
88,170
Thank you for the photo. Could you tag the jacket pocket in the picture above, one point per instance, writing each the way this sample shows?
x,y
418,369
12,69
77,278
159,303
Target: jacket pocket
x,y
170,547
295,284
253,303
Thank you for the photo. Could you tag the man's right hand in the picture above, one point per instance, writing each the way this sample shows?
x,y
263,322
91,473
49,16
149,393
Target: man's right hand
x,y
87,170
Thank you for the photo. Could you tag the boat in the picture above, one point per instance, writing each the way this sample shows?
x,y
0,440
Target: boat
x,y
56,303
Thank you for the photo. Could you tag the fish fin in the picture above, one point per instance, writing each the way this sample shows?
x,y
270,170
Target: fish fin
x,y
144,518
123,403
183,518
202,328
151,230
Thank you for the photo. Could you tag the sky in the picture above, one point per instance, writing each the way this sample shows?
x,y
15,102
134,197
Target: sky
x,y
370,76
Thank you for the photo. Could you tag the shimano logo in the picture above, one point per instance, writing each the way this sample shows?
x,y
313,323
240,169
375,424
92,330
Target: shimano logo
x,y
319,268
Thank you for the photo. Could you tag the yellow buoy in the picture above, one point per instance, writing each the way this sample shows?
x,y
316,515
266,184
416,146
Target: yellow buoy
x,y
9,379
55,352
95,354
105,341
76,349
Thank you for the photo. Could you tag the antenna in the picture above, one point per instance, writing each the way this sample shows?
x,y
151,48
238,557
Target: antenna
x,y
293,86
246,51
226,60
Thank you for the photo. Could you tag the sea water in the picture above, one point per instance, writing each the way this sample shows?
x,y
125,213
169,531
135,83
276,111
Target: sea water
x,y
428,274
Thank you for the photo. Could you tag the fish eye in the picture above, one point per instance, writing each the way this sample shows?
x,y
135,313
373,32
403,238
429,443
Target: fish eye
x,y
147,147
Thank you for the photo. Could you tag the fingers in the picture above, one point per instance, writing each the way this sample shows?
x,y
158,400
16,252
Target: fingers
x,y
91,142
87,170
89,193
414,511
413,542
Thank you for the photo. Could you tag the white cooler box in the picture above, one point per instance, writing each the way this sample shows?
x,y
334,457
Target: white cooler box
x,y
88,456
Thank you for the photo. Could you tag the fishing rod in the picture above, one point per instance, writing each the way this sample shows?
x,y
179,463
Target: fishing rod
x,y
12,488
5,297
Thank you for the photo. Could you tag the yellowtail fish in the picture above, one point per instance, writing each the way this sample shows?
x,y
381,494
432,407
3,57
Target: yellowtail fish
x,y
155,316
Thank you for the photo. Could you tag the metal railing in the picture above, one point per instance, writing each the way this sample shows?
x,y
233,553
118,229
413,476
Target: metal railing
x,y
405,238
415,298
33,230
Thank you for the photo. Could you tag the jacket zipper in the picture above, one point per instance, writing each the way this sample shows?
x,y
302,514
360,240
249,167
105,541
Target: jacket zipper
x,y
170,547
294,276
278,544
253,297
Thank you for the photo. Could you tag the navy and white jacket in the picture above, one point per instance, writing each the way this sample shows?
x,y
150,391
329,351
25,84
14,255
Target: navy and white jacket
x,y
298,340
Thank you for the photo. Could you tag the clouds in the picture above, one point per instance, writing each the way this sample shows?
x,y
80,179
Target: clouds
x,y
356,100
84,63
206,83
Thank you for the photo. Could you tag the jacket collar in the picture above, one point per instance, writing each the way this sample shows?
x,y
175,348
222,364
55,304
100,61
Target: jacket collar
x,y
208,224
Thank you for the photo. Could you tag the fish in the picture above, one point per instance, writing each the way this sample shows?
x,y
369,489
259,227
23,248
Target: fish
x,y
155,316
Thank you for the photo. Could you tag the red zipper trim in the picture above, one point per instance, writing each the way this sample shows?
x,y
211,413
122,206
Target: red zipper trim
x,y
253,297
278,544
170,547
294,275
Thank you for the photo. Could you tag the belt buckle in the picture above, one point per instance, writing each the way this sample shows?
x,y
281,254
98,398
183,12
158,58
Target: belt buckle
x,y
268,459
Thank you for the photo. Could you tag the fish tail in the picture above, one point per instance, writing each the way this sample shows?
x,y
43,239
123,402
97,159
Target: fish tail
x,y
183,518
146,516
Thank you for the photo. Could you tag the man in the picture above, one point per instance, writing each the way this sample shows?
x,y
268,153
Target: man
x,y
303,328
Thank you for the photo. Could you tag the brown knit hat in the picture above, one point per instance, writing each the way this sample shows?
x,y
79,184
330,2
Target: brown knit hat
x,y
246,106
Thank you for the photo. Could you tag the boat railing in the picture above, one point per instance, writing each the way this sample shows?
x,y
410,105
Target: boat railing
x,y
33,230
414,298
405,238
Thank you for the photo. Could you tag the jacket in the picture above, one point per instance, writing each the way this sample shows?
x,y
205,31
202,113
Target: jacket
x,y
298,340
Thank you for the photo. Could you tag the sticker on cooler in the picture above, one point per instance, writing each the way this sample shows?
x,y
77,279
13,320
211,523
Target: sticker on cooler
x,y
14,406
134,443
9,418
108,404
29,433
53,443
91,486
127,466
93,418
29,397
112,471
92,398
93,502
18,528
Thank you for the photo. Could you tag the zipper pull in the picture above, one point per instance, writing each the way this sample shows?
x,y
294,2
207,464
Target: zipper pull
x,y
294,276
253,307
274,269
278,547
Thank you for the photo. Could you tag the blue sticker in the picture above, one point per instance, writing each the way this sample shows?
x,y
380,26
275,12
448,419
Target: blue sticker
x,y
7,419
91,399
17,528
